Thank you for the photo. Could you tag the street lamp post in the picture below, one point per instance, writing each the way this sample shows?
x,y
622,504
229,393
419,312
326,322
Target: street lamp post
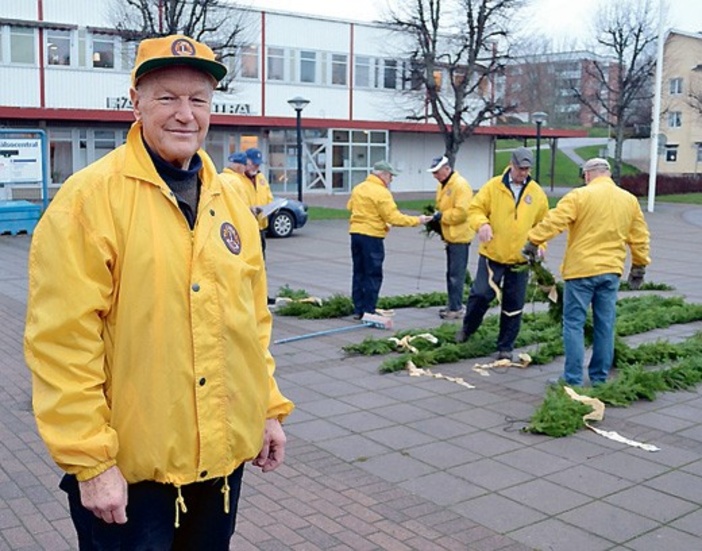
x,y
298,104
538,118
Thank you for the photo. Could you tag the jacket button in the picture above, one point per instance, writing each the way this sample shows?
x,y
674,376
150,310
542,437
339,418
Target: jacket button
x,y
212,213
196,287
203,474
203,381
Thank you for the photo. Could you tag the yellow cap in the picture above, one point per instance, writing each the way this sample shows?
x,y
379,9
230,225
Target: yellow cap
x,y
177,49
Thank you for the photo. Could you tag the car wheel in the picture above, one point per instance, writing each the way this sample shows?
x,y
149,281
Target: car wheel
x,y
282,224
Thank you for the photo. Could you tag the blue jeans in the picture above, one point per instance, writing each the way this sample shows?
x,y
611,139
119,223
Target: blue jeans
x,y
514,284
456,268
367,254
150,522
601,292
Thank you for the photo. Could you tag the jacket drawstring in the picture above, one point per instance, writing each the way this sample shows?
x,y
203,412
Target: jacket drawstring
x,y
179,506
225,491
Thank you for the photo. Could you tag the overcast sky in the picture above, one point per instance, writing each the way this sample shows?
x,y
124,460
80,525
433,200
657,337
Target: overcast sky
x,y
559,19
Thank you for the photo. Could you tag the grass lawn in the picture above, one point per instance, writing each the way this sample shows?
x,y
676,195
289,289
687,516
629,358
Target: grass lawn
x,y
590,151
326,213
687,198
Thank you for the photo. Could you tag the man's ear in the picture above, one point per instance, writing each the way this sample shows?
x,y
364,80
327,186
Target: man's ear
x,y
134,96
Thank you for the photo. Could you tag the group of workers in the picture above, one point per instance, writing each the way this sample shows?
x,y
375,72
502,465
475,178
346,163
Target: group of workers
x,y
148,329
511,217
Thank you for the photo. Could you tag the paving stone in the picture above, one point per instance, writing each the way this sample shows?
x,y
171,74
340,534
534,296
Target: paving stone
x,y
609,522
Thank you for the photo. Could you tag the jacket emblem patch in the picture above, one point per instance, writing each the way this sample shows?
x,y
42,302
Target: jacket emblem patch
x,y
230,237
528,199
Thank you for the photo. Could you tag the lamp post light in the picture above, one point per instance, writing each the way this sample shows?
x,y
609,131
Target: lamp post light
x,y
298,104
538,118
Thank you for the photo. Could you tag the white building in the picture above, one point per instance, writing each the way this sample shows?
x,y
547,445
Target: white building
x,y
65,70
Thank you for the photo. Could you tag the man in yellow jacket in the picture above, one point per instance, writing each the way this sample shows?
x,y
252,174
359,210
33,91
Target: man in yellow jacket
x,y
373,211
147,327
602,220
256,190
234,173
502,212
453,197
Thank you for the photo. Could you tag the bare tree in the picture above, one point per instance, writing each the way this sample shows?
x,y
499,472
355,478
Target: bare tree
x,y
464,40
619,84
218,23
694,97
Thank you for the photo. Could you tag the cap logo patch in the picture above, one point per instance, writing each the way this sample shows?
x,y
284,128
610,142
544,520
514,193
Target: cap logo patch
x,y
230,237
182,47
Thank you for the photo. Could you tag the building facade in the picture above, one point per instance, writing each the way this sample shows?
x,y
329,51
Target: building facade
x,y
681,104
66,71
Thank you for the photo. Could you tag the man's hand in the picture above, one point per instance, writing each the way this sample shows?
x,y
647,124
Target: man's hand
x,y
531,252
636,277
256,211
425,218
106,496
485,233
272,453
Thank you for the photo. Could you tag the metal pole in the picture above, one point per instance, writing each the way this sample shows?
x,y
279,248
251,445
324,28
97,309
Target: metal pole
x,y
656,122
299,154
538,150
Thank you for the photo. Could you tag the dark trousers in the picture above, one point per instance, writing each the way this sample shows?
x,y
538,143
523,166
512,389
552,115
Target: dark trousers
x,y
150,522
368,254
456,268
514,285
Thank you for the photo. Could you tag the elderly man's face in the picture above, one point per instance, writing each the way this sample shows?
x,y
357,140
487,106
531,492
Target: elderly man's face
x,y
173,105
442,173
519,175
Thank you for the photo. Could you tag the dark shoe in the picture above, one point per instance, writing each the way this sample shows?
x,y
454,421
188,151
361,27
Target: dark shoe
x,y
461,336
271,301
357,316
504,355
452,314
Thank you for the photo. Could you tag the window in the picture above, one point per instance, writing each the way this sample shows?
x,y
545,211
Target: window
x,y
276,64
674,119
308,66
676,86
390,74
353,155
362,71
338,69
58,47
21,45
104,52
249,62
671,153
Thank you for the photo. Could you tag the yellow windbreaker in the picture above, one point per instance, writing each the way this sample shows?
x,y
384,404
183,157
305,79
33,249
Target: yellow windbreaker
x,y
494,204
148,341
373,210
601,219
255,195
453,200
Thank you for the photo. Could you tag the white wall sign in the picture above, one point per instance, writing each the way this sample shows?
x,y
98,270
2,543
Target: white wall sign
x,y
20,161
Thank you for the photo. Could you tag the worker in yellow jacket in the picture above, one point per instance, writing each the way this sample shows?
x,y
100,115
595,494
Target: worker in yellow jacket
x,y
373,212
602,220
453,197
147,328
502,212
256,190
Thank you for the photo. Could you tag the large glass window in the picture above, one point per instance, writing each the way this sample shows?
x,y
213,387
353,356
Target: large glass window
x,y
362,72
354,152
339,62
276,64
308,66
390,74
249,62
22,45
104,52
58,47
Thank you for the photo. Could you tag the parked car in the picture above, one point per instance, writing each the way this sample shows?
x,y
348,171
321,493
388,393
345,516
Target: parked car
x,y
291,215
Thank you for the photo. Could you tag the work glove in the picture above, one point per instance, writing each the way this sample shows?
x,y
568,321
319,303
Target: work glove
x,y
531,252
636,277
437,216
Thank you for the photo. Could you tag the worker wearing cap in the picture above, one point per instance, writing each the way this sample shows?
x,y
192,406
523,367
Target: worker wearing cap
x,y
453,196
373,212
257,192
602,220
233,174
502,212
147,327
